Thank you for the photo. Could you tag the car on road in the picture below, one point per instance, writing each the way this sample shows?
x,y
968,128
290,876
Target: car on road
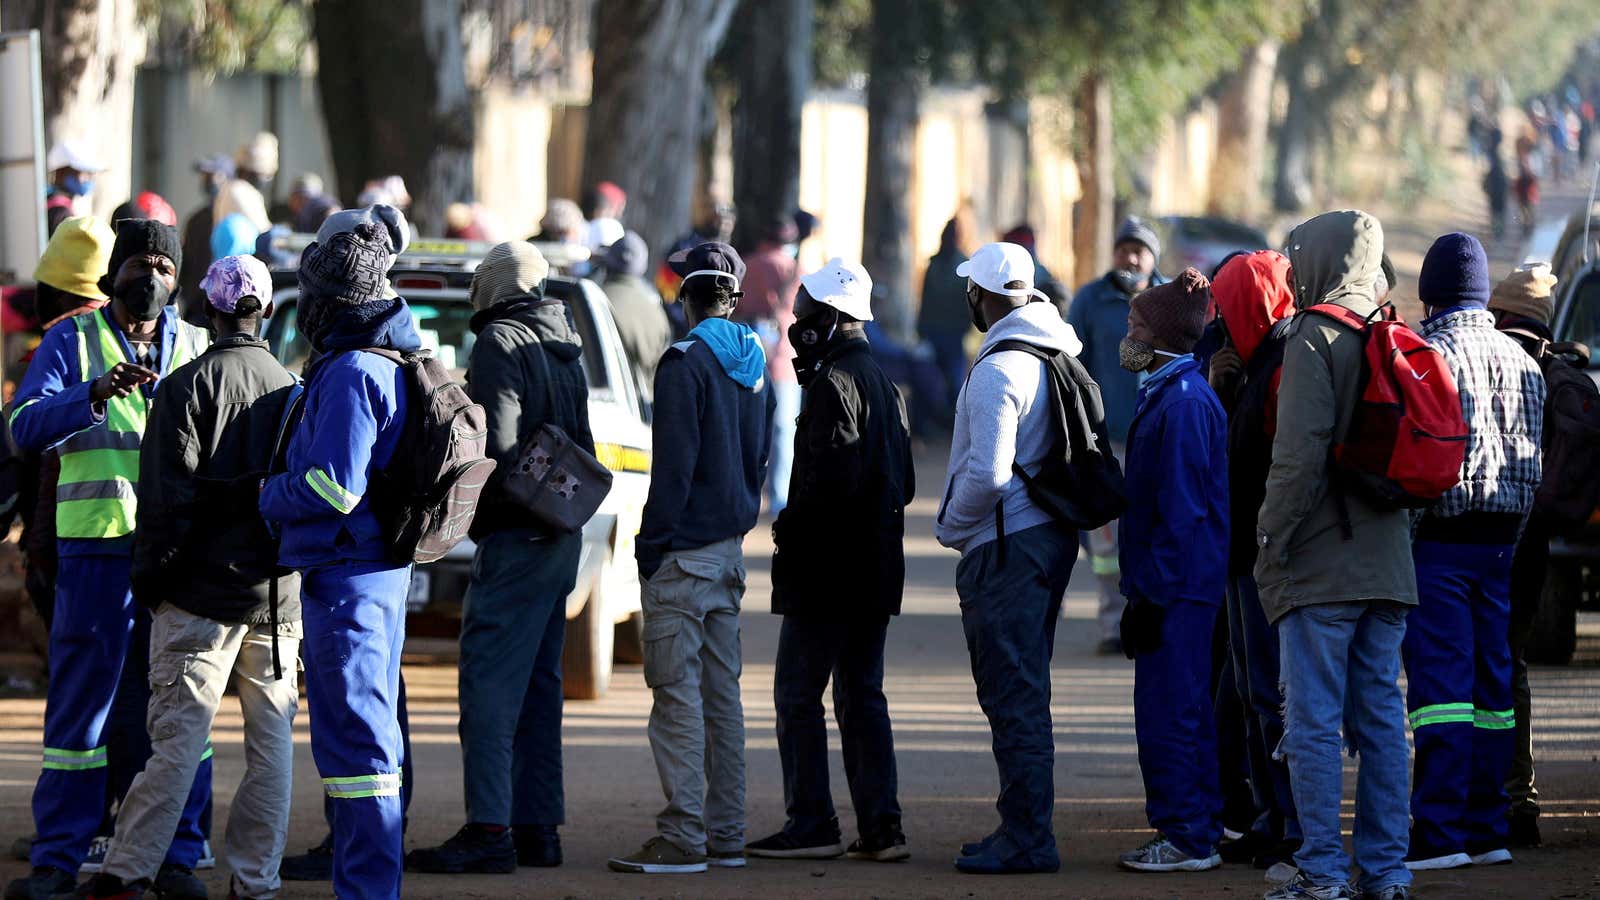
x,y
1204,242
604,621
1572,582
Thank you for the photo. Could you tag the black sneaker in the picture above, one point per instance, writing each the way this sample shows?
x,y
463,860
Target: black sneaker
x,y
537,845
474,849
316,864
175,882
1524,830
108,887
1244,848
785,845
880,849
43,883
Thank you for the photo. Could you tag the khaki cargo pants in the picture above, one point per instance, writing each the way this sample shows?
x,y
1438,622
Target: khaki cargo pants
x,y
692,664
191,660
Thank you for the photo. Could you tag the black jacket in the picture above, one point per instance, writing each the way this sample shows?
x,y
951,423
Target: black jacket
x,y
525,372
1250,447
840,541
199,543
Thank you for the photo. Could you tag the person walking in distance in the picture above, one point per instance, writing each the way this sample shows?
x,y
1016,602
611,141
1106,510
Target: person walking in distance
x,y
853,479
712,428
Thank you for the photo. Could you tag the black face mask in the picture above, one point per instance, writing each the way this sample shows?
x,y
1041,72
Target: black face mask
x,y
810,337
144,298
975,310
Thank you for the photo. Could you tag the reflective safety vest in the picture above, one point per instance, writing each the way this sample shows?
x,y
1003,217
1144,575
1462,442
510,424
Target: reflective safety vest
x,y
96,492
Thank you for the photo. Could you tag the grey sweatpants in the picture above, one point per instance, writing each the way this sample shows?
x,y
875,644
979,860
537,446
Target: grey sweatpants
x,y
191,661
692,663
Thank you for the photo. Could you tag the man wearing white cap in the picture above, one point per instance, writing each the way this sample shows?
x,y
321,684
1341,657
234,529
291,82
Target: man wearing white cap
x,y
837,575
1015,557
72,169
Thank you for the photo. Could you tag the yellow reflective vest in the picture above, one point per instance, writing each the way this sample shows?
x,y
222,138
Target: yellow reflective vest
x,y
96,494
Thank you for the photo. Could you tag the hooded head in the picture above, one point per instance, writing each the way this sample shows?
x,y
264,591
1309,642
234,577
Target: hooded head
x,y
76,257
1525,292
1336,256
512,270
1454,273
235,235
1252,294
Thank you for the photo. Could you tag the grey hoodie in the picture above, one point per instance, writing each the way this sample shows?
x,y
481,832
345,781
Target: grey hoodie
x,y
1337,258
1003,414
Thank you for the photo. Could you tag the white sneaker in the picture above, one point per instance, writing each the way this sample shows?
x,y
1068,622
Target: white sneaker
x,y
1447,861
1498,857
95,859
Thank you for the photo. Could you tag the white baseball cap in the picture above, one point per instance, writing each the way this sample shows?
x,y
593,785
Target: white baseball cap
x,y
842,285
994,265
71,155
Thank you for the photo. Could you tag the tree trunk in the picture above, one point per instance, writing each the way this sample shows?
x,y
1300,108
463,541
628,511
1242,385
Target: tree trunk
x,y
894,94
88,51
1291,184
1092,230
380,124
650,60
1242,113
773,65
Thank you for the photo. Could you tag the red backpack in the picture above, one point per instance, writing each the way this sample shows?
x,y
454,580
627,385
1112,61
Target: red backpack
x,y
1408,438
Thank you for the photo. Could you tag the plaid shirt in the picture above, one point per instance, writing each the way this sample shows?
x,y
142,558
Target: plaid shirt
x,y
1502,400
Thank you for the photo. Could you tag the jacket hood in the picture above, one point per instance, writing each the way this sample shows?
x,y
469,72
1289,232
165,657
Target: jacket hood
x,y
546,318
1252,293
350,328
1337,258
737,348
1037,323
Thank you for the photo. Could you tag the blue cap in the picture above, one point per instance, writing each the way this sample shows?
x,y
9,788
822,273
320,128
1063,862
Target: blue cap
x,y
1455,273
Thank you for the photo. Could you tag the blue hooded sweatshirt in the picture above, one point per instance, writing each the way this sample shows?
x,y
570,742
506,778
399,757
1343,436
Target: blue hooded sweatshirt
x,y
355,410
711,436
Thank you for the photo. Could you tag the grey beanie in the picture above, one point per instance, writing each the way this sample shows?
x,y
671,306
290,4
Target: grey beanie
x,y
1136,229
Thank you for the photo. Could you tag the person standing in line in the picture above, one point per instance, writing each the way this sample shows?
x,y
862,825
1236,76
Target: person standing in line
x,y
641,320
1099,316
767,306
353,591
1339,605
1521,304
853,478
1016,558
1174,567
1457,646
224,611
1254,304
942,318
87,396
526,372
712,428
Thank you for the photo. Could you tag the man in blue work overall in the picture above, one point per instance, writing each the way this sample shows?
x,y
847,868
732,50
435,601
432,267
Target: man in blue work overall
x,y
353,593
87,394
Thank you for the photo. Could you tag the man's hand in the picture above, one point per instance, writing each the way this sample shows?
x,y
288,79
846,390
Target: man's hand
x,y
123,379
1225,368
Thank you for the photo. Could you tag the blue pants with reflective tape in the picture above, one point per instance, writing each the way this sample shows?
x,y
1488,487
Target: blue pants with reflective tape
x,y
1177,735
1458,668
354,629
90,635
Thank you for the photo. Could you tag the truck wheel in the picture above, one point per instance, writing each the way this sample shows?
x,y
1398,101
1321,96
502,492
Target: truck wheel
x,y
629,646
586,656
1555,624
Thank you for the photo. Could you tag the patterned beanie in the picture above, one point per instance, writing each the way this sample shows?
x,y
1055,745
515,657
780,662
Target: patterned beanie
x,y
1173,315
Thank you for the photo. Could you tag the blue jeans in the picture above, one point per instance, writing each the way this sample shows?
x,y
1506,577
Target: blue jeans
x,y
1254,642
1458,683
1177,735
1342,663
512,630
850,651
787,395
1011,593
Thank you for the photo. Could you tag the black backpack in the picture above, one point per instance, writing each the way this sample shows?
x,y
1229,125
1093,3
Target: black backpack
x,y
1080,481
429,492
1569,492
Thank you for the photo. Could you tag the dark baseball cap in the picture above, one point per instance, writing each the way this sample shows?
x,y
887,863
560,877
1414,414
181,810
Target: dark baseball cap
x,y
711,256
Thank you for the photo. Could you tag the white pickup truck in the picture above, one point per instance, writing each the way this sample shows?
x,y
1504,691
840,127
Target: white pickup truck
x,y
603,612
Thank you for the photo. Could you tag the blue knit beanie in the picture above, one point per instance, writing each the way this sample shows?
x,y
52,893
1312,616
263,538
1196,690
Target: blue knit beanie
x,y
1455,273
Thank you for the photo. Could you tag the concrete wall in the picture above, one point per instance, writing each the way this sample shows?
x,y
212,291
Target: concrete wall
x,y
180,116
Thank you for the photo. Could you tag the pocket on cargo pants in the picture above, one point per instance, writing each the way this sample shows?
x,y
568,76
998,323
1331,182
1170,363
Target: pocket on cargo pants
x,y
663,661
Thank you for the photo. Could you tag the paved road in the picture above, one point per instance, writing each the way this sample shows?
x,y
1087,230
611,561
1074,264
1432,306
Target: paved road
x,y
946,773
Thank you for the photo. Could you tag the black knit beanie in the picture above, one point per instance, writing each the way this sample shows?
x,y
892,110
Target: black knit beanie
x,y
140,237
